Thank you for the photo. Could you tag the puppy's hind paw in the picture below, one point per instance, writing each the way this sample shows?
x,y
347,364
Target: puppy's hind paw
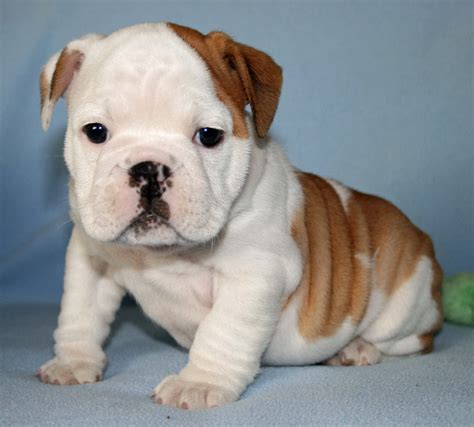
x,y
357,353
60,373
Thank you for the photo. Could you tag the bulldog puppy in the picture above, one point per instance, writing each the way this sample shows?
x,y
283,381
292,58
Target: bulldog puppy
x,y
179,198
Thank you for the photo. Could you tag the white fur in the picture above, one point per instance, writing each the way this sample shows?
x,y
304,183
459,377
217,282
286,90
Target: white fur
x,y
216,276
342,191
410,310
288,347
401,347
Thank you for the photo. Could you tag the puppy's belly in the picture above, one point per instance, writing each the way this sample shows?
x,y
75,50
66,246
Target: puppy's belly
x,y
177,302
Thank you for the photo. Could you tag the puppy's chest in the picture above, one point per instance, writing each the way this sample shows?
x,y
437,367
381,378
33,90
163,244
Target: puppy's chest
x,y
177,295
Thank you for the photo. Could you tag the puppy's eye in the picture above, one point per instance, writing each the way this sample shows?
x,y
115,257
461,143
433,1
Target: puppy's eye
x,y
96,132
208,137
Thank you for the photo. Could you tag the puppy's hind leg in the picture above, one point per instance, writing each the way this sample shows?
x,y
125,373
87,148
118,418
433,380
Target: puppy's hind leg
x,y
413,314
357,353
410,345
88,307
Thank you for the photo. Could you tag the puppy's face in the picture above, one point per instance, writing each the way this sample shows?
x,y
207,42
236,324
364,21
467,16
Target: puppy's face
x,y
157,143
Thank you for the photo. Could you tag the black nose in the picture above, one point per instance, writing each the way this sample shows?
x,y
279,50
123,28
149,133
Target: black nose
x,y
153,174
144,170
150,169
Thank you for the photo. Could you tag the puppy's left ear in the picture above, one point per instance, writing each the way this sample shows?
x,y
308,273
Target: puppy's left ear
x,y
247,75
59,72
260,76
262,79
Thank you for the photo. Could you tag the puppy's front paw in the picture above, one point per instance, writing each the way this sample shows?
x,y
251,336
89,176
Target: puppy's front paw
x,y
180,393
60,373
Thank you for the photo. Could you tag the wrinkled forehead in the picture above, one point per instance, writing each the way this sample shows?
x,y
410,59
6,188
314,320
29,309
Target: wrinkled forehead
x,y
146,68
147,48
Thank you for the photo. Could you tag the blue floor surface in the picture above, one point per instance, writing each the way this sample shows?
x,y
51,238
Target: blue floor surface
x,y
434,389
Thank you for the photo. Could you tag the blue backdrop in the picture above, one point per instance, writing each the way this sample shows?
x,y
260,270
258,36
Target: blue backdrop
x,y
378,94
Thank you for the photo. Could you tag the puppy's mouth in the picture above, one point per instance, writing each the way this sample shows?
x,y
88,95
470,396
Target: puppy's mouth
x,y
146,221
155,213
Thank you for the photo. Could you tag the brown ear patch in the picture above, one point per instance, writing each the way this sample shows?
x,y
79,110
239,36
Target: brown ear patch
x,y
68,63
53,84
225,79
241,75
44,88
262,79
59,72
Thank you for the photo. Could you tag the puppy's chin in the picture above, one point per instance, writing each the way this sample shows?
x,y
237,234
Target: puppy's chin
x,y
158,236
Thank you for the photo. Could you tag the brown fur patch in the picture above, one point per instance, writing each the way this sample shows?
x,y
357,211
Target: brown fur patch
x,y
398,245
44,88
426,342
226,81
240,74
335,283
327,283
362,280
68,63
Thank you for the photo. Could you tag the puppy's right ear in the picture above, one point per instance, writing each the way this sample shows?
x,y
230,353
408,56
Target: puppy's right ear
x,y
59,72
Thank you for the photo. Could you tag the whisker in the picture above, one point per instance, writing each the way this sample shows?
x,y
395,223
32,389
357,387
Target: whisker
x,y
63,224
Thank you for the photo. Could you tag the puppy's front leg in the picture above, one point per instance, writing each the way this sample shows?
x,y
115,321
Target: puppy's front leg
x,y
88,306
226,352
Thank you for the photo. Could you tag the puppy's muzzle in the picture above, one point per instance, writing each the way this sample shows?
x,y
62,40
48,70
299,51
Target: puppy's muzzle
x,y
151,180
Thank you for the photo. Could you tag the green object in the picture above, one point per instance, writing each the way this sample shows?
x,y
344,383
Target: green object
x,y
458,299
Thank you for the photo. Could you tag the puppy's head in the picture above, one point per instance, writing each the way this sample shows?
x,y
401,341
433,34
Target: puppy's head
x,y
157,142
